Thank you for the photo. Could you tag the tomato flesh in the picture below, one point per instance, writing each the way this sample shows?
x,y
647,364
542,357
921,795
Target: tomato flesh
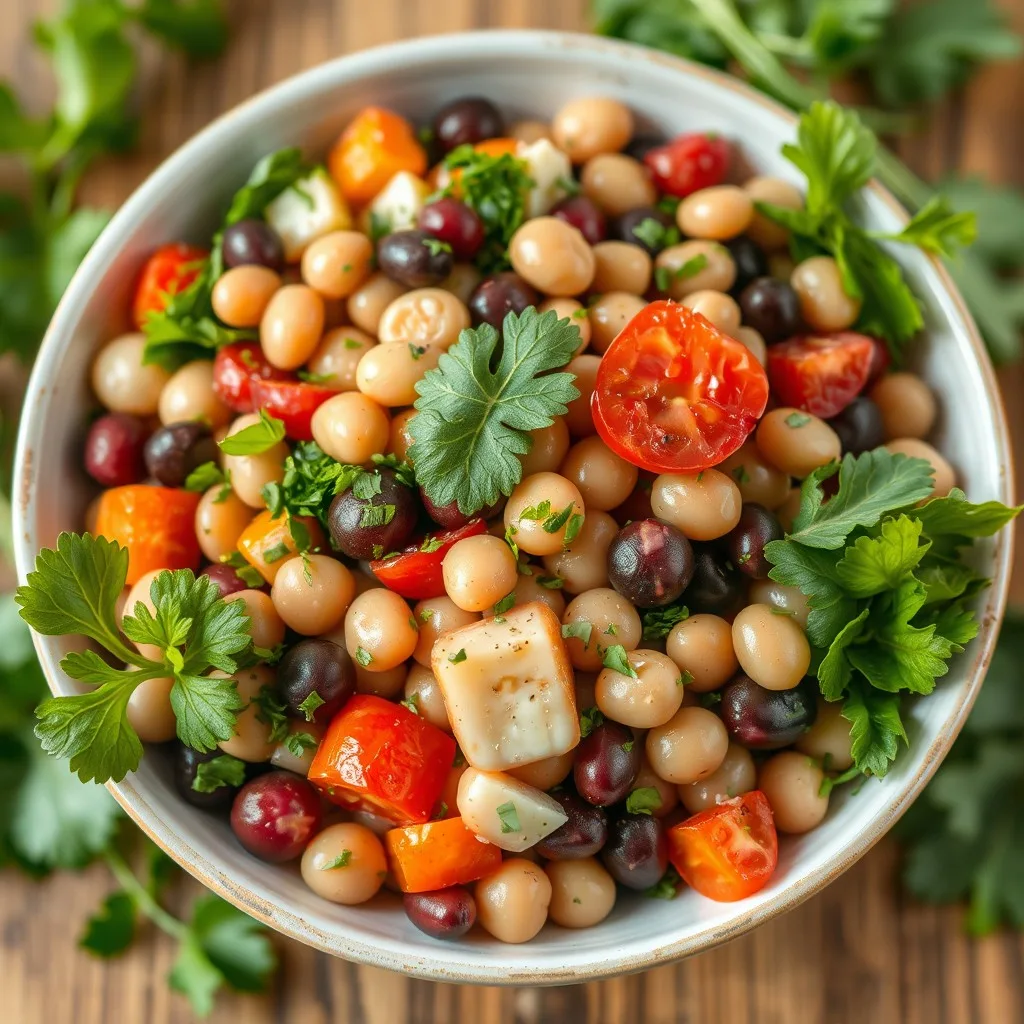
x,y
674,394
821,374
292,402
728,852
438,854
235,367
171,269
416,573
689,163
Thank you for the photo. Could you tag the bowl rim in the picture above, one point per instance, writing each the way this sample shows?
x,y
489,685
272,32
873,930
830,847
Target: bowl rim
x,y
59,335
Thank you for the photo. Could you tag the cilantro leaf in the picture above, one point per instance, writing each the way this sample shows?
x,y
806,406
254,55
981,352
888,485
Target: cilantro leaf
x,y
223,770
256,438
196,26
666,887
473,421
206,708
590,720
872,565
939,229
616,658
835,671
203,477
659,622
876,728
645,800
111,930
509,817
954,514
310,705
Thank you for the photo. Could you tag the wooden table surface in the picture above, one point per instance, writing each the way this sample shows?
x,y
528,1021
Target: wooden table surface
x,y
859,951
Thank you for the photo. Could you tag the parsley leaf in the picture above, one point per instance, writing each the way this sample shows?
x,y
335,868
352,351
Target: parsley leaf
x,y
509,818
876,728
473,421
645,800
310,705
203,477
872,565
341,861
111,930
590,720
256,438
223,770
939,229
667,886
659,622
616,658
581,631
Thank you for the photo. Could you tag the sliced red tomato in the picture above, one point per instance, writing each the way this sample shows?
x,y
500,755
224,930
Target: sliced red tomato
x,y
821,373
689,163
171,269
728,852
291,401
235,367
674,394
416,572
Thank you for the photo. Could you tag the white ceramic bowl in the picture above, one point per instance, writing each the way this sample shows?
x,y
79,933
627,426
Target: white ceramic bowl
x,y
527,74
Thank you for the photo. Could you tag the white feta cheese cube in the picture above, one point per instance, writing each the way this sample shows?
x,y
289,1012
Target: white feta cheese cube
x,y
548,166
311,208
398,203
506,812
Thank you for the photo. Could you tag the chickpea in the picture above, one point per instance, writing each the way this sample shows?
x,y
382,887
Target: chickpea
x,y
189,395
617,183
530,131
150,713
387,684
251,738
546,773
583,565
241,295
604,479
435,617
701,647
574,312
312,593
528,588
292,326
719,212
553,256
351,427
613,620
789,509
389,373
366,305
535,493
703,506
754,341
945,477
792,784
758,480
221,516
426,316
122,382
582,892
336,264
771,648
765,232
796,442
299,763
338,355
786,599
590,125
734,776
380,631
688,747
478,571
650,699
828,737
578,419
824,303
266,627
716,268
423,691
462,281
356,880
548,448
608,315
512,902
720,309
249,474
907,405
621,267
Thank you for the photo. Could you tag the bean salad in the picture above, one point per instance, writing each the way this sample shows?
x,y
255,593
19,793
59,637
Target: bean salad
x,y
508,515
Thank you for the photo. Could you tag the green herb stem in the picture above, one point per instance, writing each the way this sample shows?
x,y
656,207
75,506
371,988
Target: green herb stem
x,y
142,898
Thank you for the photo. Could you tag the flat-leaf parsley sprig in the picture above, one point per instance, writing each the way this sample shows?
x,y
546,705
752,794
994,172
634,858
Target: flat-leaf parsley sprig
x,y
73,591
475,411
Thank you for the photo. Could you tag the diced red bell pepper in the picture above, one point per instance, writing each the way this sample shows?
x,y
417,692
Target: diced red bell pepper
x,y
293,402
381,757
171,269
416,572
155,524
235,367
438,854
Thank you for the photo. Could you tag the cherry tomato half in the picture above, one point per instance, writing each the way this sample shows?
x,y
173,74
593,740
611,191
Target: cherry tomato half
x,y
235,367
689,163
674,394
416,572
292,402
821,374
171,269
728,852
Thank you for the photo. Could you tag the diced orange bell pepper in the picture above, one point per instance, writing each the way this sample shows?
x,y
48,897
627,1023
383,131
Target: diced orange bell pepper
x,y
438,854
376,145
155,524
267,543
381,757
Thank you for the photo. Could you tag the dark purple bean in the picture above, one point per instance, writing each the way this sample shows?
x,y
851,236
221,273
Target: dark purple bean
x,y
414,258
750,259
316,666
359,532
114,450
715,587
772,308
498,295
763,719
253,241
468,120
451,518
226,579
747,539
859,426
443,913
455,223
582,835
653,237
186,766
583,214
172,452
636,854
650,563
607,764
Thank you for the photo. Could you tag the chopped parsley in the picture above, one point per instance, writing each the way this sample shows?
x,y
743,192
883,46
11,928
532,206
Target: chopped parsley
x,y
509,818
